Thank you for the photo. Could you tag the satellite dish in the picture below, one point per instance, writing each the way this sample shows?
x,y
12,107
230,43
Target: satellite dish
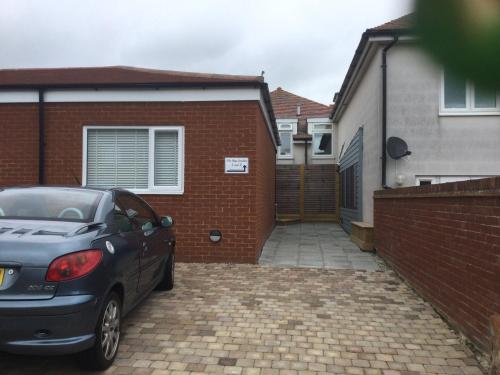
x,y
397,148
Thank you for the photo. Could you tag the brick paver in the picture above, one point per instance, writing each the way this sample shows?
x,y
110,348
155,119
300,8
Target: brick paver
x,y
252,320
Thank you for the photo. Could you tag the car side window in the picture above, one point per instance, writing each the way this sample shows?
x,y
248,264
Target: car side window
x,y
123,222
137,211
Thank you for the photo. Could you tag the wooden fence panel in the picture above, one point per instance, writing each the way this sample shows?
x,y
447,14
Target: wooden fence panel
x,y
288,189
307,192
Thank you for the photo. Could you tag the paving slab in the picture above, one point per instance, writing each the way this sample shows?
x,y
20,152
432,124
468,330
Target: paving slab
x,y
249,319
319,245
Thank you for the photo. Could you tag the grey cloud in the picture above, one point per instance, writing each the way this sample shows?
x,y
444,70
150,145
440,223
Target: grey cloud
x,y
305,46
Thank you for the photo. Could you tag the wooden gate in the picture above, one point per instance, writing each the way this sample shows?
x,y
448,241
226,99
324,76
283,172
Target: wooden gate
x,y
307,192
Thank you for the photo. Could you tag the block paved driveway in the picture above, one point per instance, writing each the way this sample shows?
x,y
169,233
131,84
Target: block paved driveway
x,y
323,245
248,319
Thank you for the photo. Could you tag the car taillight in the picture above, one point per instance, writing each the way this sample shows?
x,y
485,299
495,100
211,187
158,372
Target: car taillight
x,y
74,265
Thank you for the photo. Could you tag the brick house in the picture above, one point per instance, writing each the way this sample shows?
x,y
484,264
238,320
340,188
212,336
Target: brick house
x,y
306,161
306,131
164,135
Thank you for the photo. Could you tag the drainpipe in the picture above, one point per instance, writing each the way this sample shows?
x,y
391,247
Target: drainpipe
x,y
305,152
41,138
384,110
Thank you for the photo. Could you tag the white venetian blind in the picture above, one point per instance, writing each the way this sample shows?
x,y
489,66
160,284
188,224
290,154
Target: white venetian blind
x,y
117,158
166,158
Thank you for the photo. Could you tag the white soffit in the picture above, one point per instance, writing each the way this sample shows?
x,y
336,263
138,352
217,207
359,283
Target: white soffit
x,y
131,95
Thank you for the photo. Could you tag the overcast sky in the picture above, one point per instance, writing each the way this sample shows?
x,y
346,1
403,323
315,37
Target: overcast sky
x,y
304,46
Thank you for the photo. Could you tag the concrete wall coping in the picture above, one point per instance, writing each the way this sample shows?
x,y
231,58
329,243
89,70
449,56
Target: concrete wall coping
x,y
486,187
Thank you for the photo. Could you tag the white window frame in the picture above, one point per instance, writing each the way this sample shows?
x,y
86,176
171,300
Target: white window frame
x,y
447,178
152,189
291,126
433,180
311,129
470,109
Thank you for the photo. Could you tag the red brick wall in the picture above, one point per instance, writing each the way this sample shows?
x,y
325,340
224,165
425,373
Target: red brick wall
x,y
211,199
265,194
445,241
18,144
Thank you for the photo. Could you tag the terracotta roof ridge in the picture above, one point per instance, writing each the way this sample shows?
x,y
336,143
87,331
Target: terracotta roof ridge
x,y
298,97
404,22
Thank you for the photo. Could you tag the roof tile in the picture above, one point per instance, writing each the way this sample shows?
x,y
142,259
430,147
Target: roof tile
x,y
402,23
285,106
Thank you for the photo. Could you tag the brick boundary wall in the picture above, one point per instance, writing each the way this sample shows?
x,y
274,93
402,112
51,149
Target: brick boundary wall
x,y
445,241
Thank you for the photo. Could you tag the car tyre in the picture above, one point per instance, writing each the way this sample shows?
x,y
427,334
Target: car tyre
x,y
167,282
103,353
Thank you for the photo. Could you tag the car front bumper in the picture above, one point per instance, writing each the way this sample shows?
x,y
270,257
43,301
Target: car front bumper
x,y
60,325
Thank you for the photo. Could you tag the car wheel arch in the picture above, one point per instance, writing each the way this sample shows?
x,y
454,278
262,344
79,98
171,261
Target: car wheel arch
x,y
119,289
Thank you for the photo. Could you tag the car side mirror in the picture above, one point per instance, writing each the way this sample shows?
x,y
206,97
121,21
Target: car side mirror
x,y
167,221
147,226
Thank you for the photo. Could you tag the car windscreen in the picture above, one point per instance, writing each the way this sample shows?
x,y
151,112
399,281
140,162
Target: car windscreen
x,y
49,204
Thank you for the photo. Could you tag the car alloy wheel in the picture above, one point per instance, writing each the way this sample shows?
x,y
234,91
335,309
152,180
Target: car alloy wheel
x,y
110,330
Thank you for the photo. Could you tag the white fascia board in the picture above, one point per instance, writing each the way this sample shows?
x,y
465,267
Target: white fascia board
x,y
404,38
18,96
132,95
269,125
286,120
152,95
319,120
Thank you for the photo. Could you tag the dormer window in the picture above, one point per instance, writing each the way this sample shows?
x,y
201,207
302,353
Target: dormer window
x,y
322,142
285,151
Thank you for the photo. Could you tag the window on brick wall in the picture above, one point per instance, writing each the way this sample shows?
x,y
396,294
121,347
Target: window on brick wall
x,y
349,187
147,160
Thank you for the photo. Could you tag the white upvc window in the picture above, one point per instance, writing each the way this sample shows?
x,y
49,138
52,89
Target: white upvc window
x,y
286,131
322,139
142,159
431,180
420,181
460,96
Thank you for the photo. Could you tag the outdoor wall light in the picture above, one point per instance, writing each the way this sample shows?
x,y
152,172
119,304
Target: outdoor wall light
x,y
400,179
215,236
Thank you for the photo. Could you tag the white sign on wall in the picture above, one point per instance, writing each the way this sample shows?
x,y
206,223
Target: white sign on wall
x,y
236,165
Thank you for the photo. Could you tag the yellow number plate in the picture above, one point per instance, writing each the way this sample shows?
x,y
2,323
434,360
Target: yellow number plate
x,y
2,271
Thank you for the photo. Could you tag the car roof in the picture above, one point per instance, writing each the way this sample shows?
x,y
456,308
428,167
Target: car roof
x,y
80,188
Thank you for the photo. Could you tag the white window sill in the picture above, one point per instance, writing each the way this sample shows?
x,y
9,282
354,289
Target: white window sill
x,y
285,157
157,191
323,157
468,113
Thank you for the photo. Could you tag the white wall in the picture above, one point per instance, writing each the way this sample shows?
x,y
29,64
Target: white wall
x,y
440,146
364,110
445,146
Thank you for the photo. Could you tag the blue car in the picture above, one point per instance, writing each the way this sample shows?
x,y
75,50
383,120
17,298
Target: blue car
x,y
73,263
